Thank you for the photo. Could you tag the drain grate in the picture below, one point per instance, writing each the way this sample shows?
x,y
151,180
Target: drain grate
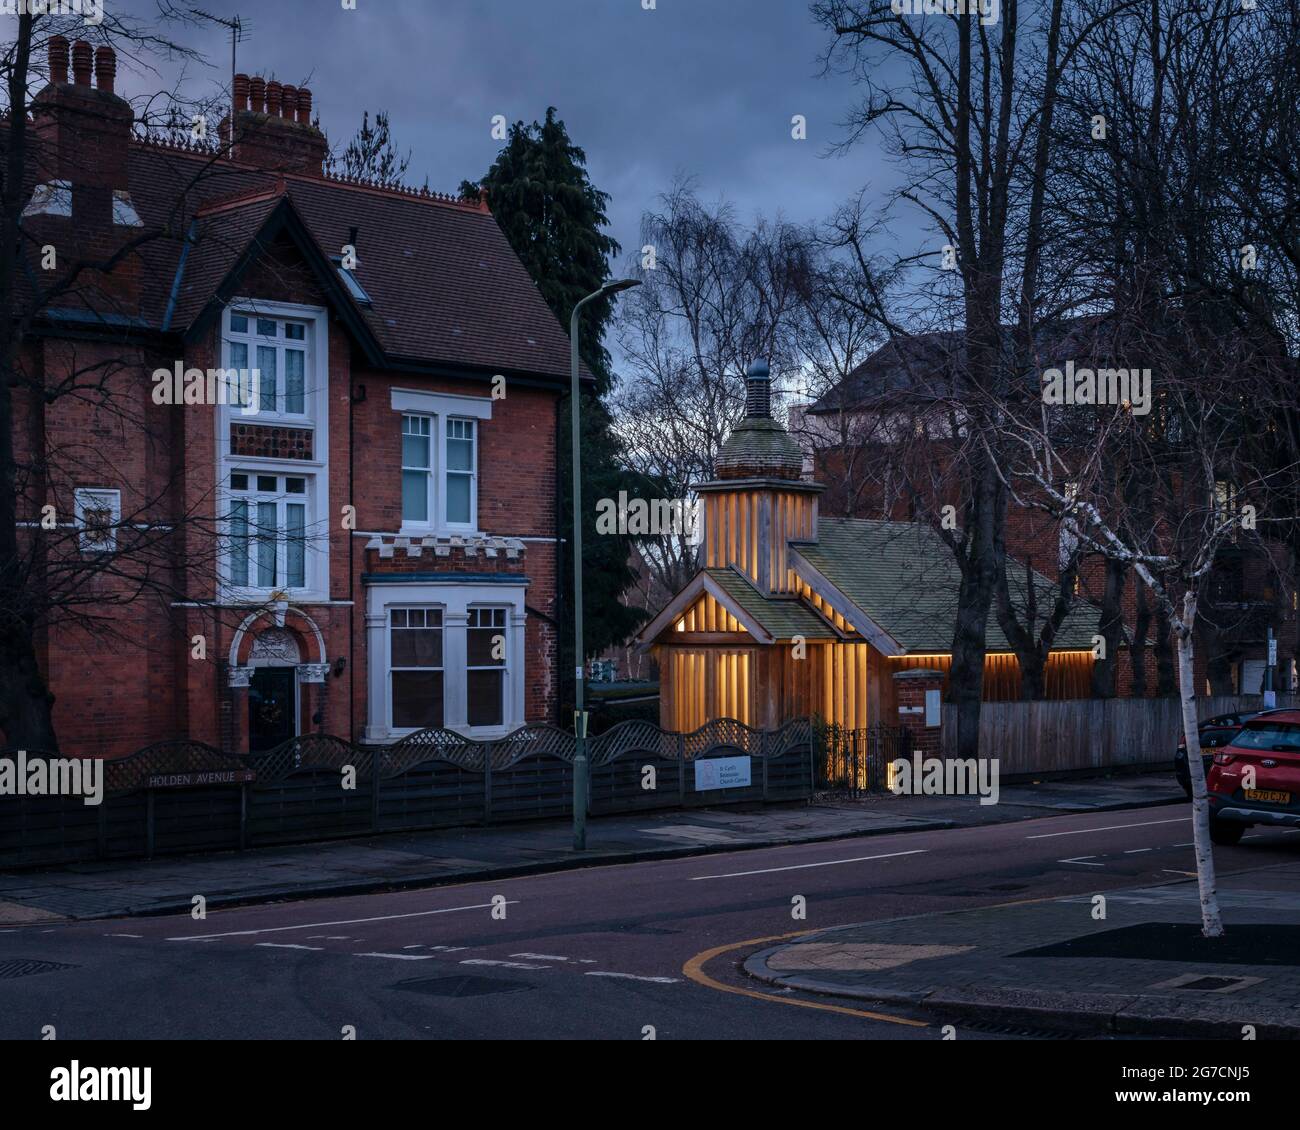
x,y
24,967
1213,984
464,985
991,1028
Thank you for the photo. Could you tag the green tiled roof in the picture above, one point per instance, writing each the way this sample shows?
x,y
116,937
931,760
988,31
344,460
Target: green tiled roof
x,y
781,617
903,576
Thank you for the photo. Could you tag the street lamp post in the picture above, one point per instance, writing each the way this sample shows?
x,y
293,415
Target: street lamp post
x,y
580,712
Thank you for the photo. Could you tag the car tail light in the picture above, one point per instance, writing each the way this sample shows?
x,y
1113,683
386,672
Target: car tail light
x,y
1223,758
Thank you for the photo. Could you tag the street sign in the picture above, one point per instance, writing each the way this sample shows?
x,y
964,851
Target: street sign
x,y
193,780
721,773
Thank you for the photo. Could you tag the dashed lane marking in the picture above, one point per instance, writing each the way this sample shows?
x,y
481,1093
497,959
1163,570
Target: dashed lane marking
x,y
633,977
805,866
289,946
694,970
399,956
1108,828
343,922
1081,860
501,964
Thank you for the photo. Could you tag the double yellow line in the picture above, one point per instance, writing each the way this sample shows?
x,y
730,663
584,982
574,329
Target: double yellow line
x,y
694,971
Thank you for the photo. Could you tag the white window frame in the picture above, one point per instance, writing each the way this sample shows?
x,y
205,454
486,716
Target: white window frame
x,y
455,598
281,499
503,666
441,409
388,659
315,470
283,345
97,498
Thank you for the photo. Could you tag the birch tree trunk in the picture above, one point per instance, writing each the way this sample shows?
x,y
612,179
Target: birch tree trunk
x,y
1211,922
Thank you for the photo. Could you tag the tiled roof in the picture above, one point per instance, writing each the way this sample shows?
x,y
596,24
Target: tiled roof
x,y
447,289
782,617
903,576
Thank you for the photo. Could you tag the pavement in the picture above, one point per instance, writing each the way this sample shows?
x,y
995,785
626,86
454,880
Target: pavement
x,y
124,888
1143,969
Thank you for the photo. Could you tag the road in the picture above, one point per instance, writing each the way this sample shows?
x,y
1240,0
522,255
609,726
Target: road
x,y
606,953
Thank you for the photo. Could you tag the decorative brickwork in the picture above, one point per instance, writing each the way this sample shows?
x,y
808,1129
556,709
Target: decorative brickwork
x,y
271,443
909,690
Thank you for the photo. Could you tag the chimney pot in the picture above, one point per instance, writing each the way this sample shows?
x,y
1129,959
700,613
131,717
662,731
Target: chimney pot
x,y
81,63
105,68
289,102
240,92
58,58
274,92
304,106
257,94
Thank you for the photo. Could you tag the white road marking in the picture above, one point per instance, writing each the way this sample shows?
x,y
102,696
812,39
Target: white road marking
x,y
1079,859
290,946
398,956
502,964
541,956
124,935
1170,871
418,946
1108,828
805,866
1137,851
631,977
344,922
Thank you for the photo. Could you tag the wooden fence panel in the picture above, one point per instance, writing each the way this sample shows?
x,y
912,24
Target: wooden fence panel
x,y
1077,734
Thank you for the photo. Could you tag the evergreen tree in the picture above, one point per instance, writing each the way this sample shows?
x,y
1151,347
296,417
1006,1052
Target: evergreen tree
x,y
554,219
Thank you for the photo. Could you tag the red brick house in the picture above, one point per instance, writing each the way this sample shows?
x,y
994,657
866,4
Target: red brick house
x,y
366,547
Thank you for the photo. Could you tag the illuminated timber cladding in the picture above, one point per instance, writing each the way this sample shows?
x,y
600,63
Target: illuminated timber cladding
x,y
795,614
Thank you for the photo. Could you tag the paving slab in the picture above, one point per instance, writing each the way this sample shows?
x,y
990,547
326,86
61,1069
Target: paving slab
x,y
1143,968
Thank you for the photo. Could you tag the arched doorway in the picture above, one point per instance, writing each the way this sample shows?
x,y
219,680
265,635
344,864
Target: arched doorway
x,y
273,709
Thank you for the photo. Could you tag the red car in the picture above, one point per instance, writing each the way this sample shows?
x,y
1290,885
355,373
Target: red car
x,y
1255,778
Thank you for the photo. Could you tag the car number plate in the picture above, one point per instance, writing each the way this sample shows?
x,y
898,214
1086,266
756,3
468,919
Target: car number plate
x,y
1270,796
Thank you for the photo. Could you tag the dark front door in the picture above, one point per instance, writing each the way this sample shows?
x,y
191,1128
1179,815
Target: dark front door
x,y
272,707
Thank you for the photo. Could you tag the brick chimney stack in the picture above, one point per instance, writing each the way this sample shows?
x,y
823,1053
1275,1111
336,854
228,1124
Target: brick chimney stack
x,y
272,127
81,136
83,131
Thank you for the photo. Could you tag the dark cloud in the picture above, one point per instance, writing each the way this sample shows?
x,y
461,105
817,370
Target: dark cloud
x,y
704,88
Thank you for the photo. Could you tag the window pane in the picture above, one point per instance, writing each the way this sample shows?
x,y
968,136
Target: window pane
x,y
458,508
238,355
415,451
266,327
480,643
415,496
295,331
266,367
483,694
239,482
238,324
296,545
295,486
293,380
239,543
266,538
417,699
417,647
460,445
268,483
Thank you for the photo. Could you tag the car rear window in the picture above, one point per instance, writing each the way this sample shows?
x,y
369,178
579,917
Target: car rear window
x,y
1211,739
1270,736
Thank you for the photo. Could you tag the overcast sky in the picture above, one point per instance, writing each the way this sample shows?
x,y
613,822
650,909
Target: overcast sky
x,y
705,88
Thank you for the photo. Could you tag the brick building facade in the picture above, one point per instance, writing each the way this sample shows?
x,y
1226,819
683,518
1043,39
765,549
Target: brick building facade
x,y
363,541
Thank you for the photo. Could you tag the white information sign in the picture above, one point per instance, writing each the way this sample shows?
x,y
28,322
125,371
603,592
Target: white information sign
x,y
722,773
